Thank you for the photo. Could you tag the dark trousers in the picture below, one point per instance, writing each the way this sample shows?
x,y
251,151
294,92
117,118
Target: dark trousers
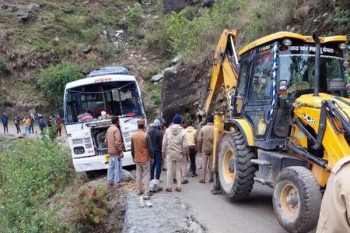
x,y
6,128
18,128
193,153
156,165
31,129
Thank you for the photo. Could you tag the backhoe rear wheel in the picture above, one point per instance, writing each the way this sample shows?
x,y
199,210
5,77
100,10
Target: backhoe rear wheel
x,y
236,171
296,199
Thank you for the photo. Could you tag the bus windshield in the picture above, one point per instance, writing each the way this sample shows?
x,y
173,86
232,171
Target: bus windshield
x,y
116,98
297,67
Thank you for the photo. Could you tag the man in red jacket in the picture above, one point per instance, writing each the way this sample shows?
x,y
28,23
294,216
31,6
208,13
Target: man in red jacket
x,y
142,155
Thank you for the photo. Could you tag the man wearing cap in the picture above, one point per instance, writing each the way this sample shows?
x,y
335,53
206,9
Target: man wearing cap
x,y
115,150
156,138
205,147
174,149
142,155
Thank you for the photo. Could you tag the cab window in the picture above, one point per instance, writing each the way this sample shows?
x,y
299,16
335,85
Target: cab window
x,y
261,81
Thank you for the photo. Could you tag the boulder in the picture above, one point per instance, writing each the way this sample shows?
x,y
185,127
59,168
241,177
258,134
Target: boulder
x,y
33,7
207,3
184,89
157,77
127,176
154,186
23,15
87,49
176,59
171,5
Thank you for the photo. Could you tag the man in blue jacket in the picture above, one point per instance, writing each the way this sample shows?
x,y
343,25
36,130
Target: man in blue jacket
x,y
5,122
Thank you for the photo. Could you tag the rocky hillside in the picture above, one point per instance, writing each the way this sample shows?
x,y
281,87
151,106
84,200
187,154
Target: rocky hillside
x,y
144,36
89,34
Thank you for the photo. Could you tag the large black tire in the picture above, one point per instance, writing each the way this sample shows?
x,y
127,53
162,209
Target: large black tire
x,y
236,171
297,199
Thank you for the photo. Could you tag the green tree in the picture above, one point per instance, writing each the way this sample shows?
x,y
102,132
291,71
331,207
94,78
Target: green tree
x,y
54,79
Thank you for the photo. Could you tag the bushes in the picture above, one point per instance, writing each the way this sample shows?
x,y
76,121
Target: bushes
x,y
133,15
193,32
90,208
31,172
3,68
156,95
54,79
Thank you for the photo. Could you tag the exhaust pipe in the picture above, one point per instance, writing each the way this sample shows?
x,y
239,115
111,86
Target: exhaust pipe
x,y
317,64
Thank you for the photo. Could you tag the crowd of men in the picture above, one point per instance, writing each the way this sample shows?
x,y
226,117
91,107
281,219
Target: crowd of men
x,y
179,144
28,123
175,147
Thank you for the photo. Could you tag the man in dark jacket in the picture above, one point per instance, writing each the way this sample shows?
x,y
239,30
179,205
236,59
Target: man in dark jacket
x,y
156,138
5,122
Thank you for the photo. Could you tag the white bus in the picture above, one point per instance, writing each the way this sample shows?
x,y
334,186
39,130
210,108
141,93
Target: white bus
x,y
107,90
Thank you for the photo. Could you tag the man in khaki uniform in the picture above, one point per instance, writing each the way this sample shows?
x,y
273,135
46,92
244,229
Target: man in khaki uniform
x,y
335,207
191,141
140,150
205,147
174,149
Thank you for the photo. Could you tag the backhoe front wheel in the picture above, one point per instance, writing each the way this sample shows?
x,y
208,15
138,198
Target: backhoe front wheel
x,y
236,171
296,199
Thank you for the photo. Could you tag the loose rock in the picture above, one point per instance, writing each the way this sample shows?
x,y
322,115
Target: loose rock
x,y
33,7
23,15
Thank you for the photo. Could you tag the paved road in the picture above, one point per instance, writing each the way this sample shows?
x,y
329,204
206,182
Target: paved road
x,y
219,215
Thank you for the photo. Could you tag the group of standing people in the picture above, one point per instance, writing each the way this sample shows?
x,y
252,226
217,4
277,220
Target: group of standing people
x,y
28,122
177,145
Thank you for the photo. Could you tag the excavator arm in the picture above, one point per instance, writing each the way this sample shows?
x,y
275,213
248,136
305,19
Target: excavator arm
x,y
224,75
225,69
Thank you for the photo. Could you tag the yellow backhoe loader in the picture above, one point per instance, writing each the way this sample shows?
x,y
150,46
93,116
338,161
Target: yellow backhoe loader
x,y
287,121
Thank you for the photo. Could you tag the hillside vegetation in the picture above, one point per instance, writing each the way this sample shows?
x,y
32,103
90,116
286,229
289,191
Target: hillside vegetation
x,y
94,33
193,32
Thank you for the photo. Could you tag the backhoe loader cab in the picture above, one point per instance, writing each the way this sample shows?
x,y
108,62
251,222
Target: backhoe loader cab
x,y
274,72
289,122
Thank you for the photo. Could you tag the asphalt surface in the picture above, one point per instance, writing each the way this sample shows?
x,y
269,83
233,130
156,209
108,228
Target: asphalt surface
x,y
219,215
